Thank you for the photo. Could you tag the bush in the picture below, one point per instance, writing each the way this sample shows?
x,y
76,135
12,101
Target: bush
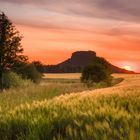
x,y
39,66
11,79
29,71
98,71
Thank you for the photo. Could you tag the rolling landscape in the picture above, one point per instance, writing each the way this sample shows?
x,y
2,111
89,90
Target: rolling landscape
x,y
69,70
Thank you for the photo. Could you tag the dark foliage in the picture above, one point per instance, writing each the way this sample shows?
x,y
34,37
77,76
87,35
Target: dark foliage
x,y
99,70
29,71
10,46
39,66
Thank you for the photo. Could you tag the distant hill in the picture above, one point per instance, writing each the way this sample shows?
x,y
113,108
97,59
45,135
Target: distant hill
x,y
79,59
77,62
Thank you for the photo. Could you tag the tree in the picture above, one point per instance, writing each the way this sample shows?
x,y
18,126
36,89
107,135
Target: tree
x,y
98,71
29,71
10,46
39,66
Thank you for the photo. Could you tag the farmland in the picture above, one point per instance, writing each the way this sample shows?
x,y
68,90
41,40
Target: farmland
x,y
64,109
62,76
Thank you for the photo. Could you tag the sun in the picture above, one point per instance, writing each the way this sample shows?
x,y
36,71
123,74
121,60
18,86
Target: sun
x,y
127,68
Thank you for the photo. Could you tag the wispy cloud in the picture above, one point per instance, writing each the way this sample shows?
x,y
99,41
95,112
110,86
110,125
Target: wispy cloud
x,y
113,9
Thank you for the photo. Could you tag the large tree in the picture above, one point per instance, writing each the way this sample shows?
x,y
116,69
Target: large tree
x,y
10,46
99,70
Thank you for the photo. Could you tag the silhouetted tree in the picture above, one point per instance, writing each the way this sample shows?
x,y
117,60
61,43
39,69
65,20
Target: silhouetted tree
x,y
39,66
29,71
10,46
99,70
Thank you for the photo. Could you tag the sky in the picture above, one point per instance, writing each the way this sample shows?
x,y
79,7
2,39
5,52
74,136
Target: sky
x,y
53,29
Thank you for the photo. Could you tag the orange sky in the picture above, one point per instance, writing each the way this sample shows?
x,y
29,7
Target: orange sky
x,y
52,30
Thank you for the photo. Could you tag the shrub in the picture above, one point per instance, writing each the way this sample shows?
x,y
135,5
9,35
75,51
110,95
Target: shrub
x,y
39,66
29,71
98,71
11,79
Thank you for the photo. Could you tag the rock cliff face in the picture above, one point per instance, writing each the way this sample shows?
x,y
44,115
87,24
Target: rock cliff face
x,y
79,59
77,62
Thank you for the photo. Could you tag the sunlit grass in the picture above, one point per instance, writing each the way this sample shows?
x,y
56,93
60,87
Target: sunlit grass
x,y
102,114
47,89
14,97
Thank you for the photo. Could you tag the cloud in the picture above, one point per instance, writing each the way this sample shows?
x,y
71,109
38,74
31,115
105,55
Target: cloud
x,y
127,10
92,16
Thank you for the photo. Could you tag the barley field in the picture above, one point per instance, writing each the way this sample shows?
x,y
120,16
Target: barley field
x,y
111,113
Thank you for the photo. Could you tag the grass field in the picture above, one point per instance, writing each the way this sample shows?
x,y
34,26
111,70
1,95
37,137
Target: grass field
x,y
39,113
47,89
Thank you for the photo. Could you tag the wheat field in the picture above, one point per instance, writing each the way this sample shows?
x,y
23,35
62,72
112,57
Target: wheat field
x,y
111,113
62,76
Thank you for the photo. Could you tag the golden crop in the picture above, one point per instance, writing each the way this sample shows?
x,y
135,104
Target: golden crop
x,y
100,114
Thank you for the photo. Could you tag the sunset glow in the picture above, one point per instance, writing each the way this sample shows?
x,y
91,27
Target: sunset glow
x,y
53,29
127,68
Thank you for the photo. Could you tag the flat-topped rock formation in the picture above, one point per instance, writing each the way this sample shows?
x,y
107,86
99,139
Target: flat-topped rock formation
x,y
77,62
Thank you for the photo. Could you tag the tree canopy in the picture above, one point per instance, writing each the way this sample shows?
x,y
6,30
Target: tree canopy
x,y
99,70
11,51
